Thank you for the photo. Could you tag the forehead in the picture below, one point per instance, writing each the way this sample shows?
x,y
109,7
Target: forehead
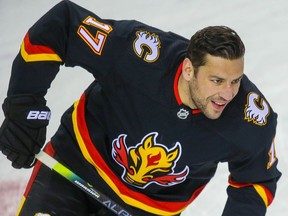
x,y
221,67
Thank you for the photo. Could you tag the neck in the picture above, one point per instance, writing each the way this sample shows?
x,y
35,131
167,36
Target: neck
x,y
184,92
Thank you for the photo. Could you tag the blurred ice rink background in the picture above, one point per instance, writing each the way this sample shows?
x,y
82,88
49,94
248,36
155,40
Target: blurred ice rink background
x,y
262,24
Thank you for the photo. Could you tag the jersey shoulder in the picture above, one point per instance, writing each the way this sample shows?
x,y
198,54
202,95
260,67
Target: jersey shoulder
x,y
251,105
248,121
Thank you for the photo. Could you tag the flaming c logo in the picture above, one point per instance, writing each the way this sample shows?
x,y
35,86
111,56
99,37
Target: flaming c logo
x,y
148,45
257,109
148,162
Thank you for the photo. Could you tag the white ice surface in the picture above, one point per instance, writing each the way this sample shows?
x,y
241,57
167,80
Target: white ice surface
x,y
262,24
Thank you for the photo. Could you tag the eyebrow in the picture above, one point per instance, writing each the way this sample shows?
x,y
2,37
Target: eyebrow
x,y
217,77
240,77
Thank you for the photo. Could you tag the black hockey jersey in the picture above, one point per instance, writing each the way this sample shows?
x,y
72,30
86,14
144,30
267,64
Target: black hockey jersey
x,y
129,133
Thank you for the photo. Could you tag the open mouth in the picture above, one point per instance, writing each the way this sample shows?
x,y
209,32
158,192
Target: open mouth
x,y
219,106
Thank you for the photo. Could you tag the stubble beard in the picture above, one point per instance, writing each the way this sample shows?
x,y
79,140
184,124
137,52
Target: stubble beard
x,y
201,104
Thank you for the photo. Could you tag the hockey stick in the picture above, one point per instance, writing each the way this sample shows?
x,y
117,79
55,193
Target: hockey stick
x,y
80,183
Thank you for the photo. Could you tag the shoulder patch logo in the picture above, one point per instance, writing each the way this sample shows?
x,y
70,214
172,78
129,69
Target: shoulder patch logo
x,y
147,46
256,109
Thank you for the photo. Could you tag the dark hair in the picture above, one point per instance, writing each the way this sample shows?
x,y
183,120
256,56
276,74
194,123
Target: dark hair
x,y
220,41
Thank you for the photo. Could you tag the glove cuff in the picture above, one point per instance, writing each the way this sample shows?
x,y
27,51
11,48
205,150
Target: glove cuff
x,y
28,110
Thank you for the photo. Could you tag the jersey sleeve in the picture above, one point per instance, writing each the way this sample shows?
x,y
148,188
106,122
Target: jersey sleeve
x,y
66,35
252,184
253,167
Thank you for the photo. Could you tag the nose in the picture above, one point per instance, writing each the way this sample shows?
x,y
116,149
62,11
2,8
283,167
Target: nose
x,y
227,92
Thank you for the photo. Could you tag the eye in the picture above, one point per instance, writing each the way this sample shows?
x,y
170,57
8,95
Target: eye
x,y
236,81
217,81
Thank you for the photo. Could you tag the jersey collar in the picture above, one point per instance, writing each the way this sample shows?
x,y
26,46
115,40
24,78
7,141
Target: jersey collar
x,y
176,90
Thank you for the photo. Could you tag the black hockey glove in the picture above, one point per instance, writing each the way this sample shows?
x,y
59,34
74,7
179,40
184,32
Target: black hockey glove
x,y
23,131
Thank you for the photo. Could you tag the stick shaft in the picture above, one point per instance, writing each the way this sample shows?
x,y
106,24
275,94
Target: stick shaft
x,y
55,165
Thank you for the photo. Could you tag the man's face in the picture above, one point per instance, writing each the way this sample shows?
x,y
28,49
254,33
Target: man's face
x,y
215,85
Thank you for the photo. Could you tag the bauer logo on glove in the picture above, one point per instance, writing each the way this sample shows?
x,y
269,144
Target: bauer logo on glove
x,y
41,115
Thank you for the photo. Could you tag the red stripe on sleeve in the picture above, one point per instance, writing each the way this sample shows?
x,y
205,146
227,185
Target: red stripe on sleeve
x,y
36,49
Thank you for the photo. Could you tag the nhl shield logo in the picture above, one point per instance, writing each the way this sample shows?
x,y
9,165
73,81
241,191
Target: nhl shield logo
x,y
182,113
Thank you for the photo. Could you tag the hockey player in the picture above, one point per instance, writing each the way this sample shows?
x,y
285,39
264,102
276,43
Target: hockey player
x,y
149,132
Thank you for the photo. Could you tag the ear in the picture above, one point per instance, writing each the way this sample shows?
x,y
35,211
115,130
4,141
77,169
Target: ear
x,y
187,69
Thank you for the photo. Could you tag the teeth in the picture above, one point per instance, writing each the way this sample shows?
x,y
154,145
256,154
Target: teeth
x,y
220,104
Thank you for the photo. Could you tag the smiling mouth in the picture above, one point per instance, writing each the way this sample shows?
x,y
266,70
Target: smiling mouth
x,y
219,106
